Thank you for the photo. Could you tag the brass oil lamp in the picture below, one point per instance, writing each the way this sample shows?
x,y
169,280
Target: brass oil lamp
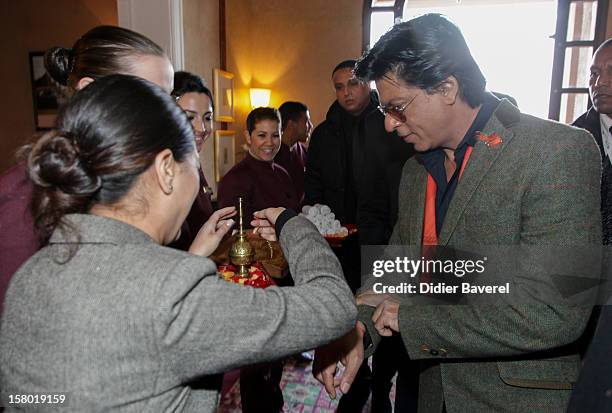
x,y
241,254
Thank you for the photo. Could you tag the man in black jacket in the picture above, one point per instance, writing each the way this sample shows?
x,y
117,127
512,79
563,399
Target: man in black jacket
x,y
336,150
598,121
354,167
593,392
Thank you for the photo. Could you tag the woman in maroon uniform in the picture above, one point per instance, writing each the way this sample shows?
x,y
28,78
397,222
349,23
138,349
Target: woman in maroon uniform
x,y
262,183
257,178
196,100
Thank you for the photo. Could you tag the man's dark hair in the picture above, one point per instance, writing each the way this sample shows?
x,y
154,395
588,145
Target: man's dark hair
x,y
291,111
350,64
423,52
259,114
186,82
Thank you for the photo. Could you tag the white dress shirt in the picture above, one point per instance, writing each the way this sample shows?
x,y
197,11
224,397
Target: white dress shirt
x,y
606,136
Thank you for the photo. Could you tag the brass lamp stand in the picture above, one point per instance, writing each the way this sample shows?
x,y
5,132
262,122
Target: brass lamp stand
x,y
241,253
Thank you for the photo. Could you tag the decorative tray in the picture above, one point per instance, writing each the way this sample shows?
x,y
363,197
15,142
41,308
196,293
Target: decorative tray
x,y
258,276
336,240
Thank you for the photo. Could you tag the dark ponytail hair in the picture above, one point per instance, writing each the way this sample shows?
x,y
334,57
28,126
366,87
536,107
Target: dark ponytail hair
x,y
102,51
106,136
186,82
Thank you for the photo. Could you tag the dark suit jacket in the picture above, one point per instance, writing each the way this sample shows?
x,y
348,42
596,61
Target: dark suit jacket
x,y
327,179
358,191
328,171
593,392
329,176
385,156
590,122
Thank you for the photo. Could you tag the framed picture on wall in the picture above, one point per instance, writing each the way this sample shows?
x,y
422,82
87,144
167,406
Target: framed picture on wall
x,y
224,96
224,152
46,93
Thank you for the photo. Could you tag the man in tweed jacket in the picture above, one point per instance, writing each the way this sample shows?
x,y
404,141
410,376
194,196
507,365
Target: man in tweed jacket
x,y
498,177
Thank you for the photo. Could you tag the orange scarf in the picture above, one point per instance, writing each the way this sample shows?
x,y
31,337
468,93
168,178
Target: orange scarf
x,y
430,235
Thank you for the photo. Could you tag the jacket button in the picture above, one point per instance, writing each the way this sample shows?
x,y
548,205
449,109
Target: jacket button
x,y
433,352
609,393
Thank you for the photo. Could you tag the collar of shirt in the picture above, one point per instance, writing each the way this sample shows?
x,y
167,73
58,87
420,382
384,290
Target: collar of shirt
x,y
259,163
434,160
606,138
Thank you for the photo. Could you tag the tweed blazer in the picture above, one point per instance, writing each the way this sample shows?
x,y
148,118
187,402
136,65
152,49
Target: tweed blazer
x,y
128,325
539,186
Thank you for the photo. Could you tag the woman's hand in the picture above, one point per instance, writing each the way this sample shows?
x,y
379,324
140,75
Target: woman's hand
x,y
211,233
263,223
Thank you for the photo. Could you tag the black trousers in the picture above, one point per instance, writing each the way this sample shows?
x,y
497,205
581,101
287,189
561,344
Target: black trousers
x,y
260,390
358,394
390,358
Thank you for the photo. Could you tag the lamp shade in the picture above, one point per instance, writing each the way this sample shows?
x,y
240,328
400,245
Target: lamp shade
x,y
259,97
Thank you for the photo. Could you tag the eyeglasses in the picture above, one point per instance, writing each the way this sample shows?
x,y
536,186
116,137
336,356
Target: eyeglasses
x,y
396,112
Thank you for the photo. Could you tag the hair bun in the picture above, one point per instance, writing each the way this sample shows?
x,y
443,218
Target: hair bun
x,y
55,162
58,63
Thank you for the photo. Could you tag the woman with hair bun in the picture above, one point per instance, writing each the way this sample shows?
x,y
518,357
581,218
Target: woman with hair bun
x,y
107,50
109,316
102,51
196,100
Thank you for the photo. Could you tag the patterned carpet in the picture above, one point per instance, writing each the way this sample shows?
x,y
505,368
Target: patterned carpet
x,y
302,393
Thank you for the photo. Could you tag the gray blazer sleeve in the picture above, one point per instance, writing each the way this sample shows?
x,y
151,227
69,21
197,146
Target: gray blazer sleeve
x,y
207,325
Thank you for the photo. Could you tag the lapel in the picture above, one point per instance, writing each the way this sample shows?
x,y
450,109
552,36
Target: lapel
x,y
417,208
593,125
481,160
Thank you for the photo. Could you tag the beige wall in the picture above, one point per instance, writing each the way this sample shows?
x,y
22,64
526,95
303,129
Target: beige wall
x,y
289,46
35,25
201,37
202,56
239,56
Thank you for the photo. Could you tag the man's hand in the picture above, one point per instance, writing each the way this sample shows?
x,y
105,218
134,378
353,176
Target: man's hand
x,y
349,351
385,317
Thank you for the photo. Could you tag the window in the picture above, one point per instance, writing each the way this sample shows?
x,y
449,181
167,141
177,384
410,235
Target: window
x,y
541,50
580,29
378,17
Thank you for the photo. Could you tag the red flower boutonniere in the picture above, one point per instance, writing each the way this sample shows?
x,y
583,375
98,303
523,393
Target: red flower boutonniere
x,y
491,140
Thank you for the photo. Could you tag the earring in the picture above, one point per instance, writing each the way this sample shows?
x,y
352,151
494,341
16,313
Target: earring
x,y
171,188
